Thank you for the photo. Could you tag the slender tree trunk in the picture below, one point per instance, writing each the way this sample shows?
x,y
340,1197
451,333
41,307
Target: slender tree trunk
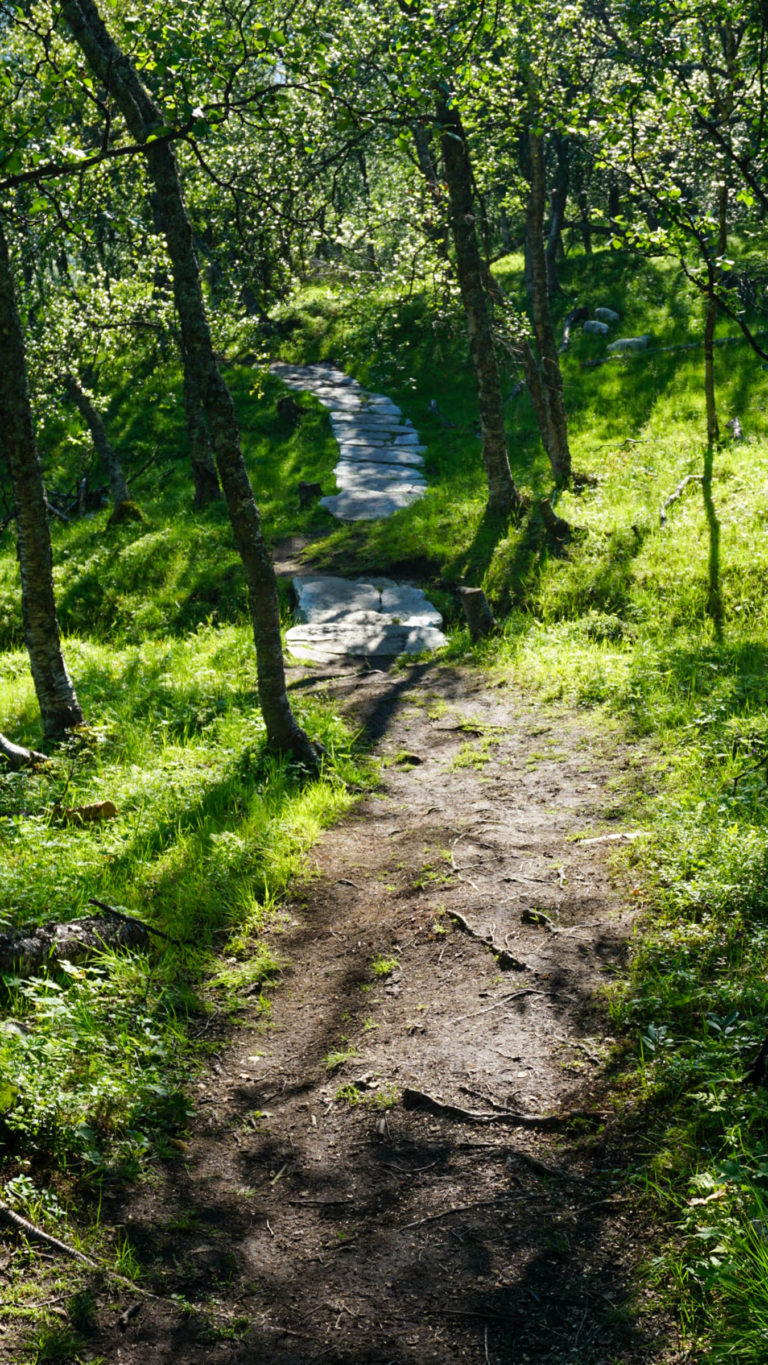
x,y
614,201
559,199
586,229
109,457
710,317
503,497
370,249
206,479
59,706
437,230
555,434
710,320
504,231
115,70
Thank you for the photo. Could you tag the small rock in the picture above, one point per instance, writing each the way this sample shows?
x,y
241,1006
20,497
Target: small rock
x,y
628,344
595,329
608,315
736,429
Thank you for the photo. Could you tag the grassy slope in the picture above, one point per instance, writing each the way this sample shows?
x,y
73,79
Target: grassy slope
x,y
210,830
665,627
622,621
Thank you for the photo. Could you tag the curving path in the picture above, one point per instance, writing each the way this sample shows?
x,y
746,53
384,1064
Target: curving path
x,y
378,472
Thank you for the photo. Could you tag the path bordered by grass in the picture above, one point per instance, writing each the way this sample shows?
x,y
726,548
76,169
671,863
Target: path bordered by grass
x,y
664,628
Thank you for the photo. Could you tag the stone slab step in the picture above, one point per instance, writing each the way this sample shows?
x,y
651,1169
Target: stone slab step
x,y
325,597
373,506
411,456
324,643
353,474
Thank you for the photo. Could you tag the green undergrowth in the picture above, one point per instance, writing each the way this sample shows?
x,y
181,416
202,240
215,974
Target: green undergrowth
x,y
209,832
177,569
662,628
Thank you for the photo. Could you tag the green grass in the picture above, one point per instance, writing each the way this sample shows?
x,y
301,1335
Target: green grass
x,y
95,1061
662,630
210,830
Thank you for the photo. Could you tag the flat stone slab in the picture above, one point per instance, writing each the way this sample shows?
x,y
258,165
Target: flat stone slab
x,y
374,618
373,436
325,597
370,506
324,644
378,478
410,456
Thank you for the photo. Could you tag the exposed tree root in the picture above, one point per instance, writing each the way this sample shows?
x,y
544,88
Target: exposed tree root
x,y
8,1215
507,961
417,1099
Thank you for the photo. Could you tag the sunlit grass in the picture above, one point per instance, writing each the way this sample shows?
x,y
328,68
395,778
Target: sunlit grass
x,y
210,830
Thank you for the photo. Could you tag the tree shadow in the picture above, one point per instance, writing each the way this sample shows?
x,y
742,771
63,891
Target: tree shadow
x,y
473,561
714,593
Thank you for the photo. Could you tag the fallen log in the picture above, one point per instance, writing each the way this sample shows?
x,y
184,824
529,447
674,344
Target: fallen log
x,y
681,487
33,947
18,757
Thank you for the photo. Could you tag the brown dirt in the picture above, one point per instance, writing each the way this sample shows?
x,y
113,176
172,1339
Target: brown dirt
x,y
313,1217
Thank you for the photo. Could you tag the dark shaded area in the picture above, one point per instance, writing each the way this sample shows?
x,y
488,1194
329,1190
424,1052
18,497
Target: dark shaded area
x,y
310,1217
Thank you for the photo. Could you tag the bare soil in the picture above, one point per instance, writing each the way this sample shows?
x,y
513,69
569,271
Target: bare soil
x,y
314,1216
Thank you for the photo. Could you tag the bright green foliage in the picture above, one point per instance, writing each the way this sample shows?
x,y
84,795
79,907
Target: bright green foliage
x,y
622,621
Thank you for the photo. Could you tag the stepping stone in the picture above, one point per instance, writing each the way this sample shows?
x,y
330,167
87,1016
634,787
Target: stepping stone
x,y
361,431
409,605
354,454
348,426
369,469
358,479
326,597
374,506
368,618
327,643
384,406
381,455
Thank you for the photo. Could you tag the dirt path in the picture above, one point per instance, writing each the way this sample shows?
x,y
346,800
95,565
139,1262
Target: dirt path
x,y
314,1215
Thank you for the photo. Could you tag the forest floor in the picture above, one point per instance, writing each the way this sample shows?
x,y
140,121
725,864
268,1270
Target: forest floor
x,y
315,1216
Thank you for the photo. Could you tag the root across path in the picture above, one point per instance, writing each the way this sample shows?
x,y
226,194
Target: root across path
x,y
315,1216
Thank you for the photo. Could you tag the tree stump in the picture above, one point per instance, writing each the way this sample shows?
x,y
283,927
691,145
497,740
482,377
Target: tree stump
x,y
557,527
477,612
308,493
288,410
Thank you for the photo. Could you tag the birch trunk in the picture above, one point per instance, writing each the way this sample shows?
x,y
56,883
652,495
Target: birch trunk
x,y
204,474
114,69
503,497
109,457
555,432
56,695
